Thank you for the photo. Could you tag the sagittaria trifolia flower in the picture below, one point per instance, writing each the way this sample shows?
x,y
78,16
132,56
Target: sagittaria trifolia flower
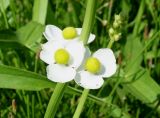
x,y
63,59
63,53
66,35
95,67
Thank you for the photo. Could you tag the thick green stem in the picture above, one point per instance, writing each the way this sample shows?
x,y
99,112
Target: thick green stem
x,y
40,11
88,20
55,100
86,29
81,103
39,15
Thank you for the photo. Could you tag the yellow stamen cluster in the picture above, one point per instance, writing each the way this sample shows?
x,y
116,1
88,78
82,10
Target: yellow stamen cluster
x,y
69,33
93,65
61,56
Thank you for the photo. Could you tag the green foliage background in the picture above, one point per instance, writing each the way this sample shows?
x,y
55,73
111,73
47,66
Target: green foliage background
x,y
133,92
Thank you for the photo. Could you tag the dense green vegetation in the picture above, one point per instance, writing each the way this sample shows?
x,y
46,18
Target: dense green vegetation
x,y
133,92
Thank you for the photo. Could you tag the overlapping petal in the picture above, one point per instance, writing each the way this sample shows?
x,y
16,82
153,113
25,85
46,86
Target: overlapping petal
x,y
88,80
60,73
108,61
76,50
47,57
52,32
91,36
86,55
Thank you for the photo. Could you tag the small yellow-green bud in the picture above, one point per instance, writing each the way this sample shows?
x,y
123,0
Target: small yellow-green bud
x,y
61,56
111,31
93,65
117,21
69,33
117,36
117,18
116,24
104,22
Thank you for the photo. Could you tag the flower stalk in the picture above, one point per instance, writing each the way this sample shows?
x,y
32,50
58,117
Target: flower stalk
x,y
81,103
88,20
86,29
55,100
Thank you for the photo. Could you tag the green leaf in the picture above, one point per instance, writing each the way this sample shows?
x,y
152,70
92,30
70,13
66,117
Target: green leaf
x,y
27,36
133,60
4,3
143,87
14,78
30,35
139,83
8,39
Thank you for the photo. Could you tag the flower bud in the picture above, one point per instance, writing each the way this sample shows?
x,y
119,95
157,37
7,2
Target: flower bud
x,y
117,36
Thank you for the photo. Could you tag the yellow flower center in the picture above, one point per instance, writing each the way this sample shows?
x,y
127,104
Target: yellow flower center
x,y
61,56
69,33
92,65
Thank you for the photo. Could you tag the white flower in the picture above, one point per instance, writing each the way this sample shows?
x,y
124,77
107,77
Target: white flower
x,y
63,59
66,35
101,64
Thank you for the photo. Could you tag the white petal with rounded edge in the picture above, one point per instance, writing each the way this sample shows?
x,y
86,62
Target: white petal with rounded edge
x,y
91,38
78,30
108,61
76,50
52,46
109,70
88,80
47,56
87,55
60,73
52,32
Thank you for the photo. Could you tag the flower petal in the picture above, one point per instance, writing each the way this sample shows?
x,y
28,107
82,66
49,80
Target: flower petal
x,y
76,50
88,80
91,38
52,46
108,61
47,57
60,73
79,31
87,55
52,32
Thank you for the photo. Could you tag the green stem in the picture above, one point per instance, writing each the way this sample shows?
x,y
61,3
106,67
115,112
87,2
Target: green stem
x,y
110,43
110,10
138,18
28,108
86,29
55,100
4,14
33,106
40,11
13,10
39,15
88,20
81,103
